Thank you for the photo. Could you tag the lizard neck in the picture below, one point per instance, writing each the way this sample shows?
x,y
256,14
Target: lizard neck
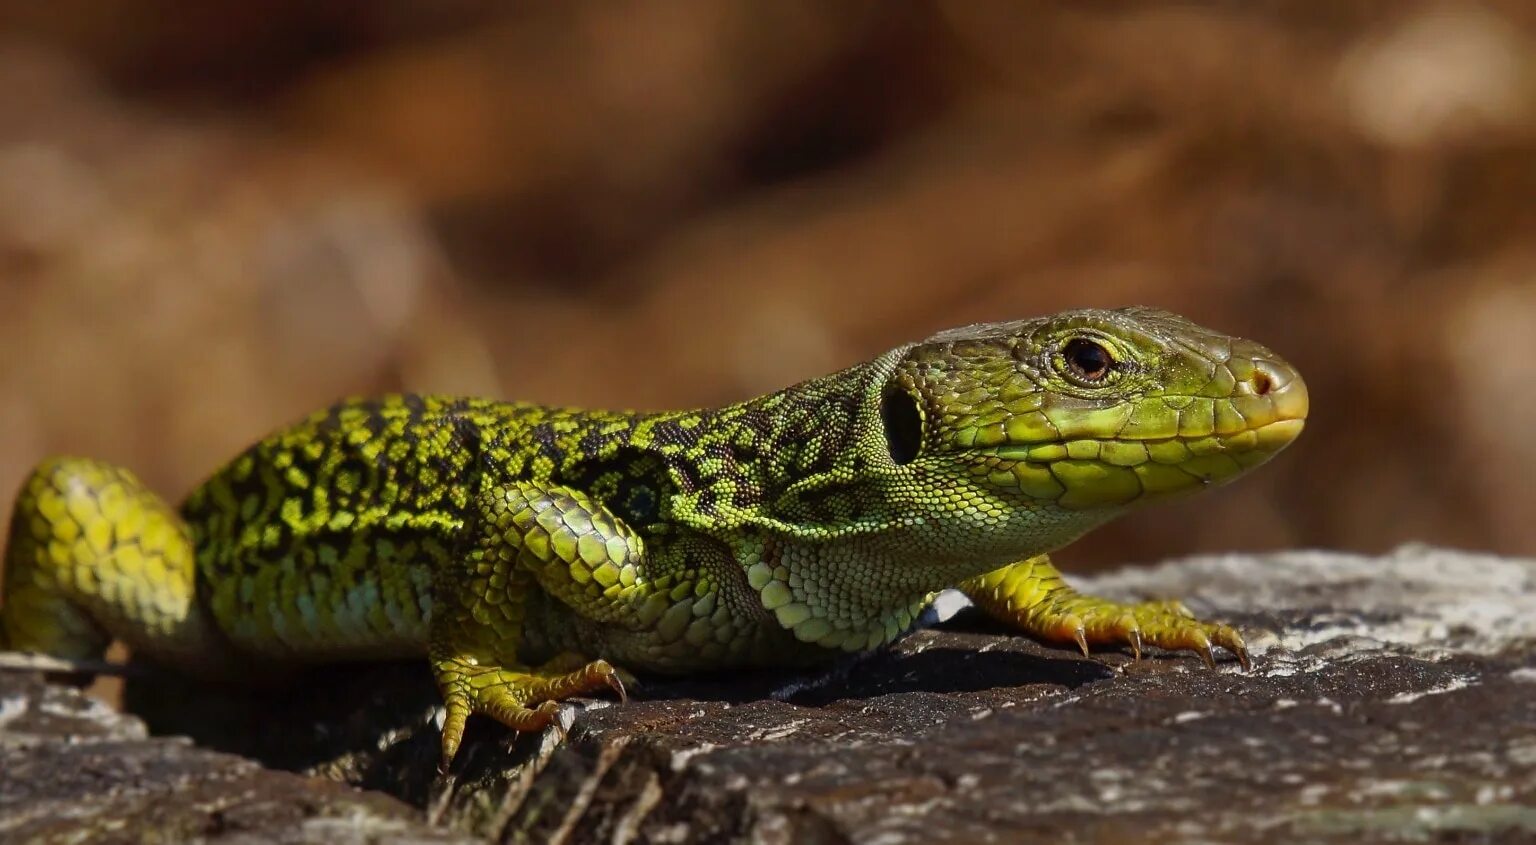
x,y
764,463
841,545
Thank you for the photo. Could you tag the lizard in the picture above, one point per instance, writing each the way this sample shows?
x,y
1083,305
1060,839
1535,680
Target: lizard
x,y
532,554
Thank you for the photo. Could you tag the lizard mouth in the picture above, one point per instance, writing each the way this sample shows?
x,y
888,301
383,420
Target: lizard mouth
x,y
1173,451
1152,448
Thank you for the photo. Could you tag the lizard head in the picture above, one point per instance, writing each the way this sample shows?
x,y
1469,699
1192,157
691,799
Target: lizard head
x,y
981,446
1079,415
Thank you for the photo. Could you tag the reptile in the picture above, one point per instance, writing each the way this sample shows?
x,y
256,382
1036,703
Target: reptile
x,y
533,553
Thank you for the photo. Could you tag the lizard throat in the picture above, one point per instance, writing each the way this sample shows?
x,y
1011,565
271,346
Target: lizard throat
x,y
796,584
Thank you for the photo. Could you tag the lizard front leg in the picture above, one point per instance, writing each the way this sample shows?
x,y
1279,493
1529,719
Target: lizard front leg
x,y
519,533
1032,596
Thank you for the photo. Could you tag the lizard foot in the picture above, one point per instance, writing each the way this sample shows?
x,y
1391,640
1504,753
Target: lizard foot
x,y
1091,621
618,678
521,698
1033,596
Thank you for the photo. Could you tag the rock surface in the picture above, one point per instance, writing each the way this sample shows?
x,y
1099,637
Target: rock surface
x,y
1393,700
72,770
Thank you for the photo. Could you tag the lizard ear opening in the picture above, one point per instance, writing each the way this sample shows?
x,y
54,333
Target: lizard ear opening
x,y
903,424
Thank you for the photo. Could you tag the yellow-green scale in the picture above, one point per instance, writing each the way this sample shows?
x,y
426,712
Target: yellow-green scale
x,y
323,541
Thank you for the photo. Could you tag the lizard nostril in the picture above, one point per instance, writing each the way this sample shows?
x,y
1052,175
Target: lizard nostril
x,y
1267,378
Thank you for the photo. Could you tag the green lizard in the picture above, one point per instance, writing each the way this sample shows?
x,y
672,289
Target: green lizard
x,y
528,551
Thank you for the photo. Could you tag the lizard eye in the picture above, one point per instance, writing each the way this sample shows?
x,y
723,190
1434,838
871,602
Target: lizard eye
x,y
903,424
1087,361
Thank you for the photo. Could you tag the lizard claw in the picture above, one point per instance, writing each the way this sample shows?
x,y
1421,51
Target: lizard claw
x,y
1232,641
1228,638
551,710
1242,658
616,684
1080,637
1207,656
1133,639
612,676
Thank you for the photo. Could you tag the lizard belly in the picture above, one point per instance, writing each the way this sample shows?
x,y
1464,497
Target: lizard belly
x,y
355,596
553,628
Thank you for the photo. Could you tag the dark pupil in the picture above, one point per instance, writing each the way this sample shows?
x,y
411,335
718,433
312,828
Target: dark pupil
x,y
1088,359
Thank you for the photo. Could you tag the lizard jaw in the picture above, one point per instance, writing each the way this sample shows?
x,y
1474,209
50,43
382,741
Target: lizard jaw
x,y
1220,440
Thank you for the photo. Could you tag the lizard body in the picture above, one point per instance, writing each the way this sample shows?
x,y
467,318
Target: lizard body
x,y
525,551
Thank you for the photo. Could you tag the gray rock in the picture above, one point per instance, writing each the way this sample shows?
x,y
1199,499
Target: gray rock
x,y
72,770
1393,700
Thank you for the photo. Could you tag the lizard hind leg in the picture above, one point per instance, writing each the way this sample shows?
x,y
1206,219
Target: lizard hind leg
x,y
94,555
522,698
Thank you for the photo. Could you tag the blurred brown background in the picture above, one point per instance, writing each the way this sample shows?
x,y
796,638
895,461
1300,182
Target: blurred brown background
x,y
216,217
